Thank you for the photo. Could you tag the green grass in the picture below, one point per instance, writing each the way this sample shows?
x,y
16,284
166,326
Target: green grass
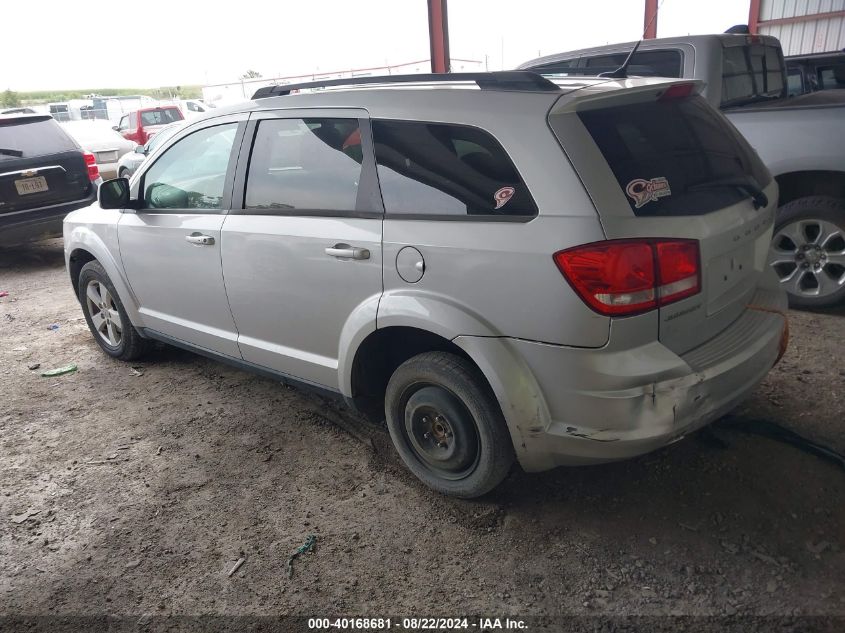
x,y
165,92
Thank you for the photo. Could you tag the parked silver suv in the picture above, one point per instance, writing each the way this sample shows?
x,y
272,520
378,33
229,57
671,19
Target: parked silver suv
x,y
501,266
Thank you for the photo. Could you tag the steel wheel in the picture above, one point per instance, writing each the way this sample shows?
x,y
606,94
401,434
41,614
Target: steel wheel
x,y
104,313
809,258
441,432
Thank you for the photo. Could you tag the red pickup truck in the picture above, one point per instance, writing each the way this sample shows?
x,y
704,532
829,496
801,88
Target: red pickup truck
x,y
142,124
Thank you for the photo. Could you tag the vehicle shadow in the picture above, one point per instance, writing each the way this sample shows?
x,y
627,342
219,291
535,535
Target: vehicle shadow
x,y
33,256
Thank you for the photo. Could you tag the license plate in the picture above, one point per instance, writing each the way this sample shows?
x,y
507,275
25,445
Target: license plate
x,y
107,157
31,185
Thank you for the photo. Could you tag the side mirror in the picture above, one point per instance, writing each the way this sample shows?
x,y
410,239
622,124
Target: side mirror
x,y
115,128
114,194
140,149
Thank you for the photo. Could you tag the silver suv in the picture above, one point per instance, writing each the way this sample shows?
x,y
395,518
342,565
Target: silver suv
x,y
502,267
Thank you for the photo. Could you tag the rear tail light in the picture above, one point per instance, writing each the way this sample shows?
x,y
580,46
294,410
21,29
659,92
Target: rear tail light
x,y
91,163
626,277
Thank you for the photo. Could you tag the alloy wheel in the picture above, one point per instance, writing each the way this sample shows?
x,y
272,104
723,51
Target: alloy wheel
x,y
104,313
809,258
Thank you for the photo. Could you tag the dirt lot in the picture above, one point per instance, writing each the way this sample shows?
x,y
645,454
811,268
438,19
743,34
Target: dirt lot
x,y
134,492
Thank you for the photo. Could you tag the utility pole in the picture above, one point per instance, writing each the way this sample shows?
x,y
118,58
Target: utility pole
x,y
438,36
650,20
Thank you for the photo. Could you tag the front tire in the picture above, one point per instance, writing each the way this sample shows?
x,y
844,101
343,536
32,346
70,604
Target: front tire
x,y
808,251
447,426
106,316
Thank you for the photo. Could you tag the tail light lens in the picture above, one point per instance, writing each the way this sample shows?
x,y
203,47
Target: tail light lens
x,y
626,277
91,163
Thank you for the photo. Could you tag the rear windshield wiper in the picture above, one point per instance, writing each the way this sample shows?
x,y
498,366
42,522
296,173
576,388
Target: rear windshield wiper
x,y
750,187
11,152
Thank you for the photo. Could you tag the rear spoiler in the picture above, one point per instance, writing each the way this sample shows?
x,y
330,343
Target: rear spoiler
x,y
621,92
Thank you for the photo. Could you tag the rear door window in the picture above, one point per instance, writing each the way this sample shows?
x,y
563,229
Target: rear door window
x,y
676,156
831,77
27,137
439,170
304,164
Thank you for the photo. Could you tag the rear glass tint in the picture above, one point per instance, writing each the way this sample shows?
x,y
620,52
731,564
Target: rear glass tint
x,y
160,117
664,63
751,73
33,137
671,157
648,63
451,170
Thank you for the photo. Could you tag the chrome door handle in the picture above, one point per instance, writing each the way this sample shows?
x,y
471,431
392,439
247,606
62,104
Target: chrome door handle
x,y
345,251
199,239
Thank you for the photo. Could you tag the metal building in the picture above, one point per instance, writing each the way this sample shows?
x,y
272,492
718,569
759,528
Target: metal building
x,y
802,26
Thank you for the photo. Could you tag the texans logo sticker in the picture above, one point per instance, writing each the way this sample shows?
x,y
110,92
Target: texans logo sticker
x,y
502,196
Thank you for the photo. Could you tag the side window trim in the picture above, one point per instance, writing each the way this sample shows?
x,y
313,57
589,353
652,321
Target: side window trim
x,y
368,204
234,155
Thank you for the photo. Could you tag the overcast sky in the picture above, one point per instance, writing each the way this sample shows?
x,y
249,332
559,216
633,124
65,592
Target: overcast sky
x,y
126,44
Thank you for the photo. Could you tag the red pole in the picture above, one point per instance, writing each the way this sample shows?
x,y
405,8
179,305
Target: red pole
x,y
753,16
650,20
438,36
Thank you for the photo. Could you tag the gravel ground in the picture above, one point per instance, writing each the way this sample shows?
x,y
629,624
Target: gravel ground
x,y
132,490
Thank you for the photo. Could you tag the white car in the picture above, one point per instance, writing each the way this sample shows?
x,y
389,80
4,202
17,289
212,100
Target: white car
x,y
97,137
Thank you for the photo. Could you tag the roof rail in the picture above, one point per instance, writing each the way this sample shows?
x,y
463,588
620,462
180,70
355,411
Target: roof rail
x,y
511,80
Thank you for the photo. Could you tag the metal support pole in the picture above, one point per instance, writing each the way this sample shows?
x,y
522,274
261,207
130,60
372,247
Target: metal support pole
x,y
753,16
650,20
438,36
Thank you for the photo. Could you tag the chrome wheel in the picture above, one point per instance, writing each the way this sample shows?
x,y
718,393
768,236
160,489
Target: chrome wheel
x,y
809,258
104,313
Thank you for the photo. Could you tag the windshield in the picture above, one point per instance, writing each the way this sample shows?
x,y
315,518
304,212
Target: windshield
x,y
161,116
161,137
752,73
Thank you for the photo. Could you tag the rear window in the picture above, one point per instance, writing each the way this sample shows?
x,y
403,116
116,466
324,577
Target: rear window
x,y
28,137
751,73
674,157
665,63
447,170
160,117
648,63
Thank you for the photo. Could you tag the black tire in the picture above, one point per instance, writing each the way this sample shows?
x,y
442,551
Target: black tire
x,y
130,345
468,450
819,209
124,173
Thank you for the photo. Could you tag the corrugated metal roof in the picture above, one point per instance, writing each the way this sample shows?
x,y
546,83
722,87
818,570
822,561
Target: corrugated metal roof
x,y
808,36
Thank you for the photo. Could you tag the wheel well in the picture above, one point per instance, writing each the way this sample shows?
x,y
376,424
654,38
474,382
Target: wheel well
x,y
801,184
381,353
78,258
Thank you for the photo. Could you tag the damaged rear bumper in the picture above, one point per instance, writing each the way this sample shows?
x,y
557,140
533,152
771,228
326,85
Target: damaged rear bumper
x,y
599,405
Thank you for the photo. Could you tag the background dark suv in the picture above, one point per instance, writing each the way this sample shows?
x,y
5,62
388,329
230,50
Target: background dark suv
x,y
44,175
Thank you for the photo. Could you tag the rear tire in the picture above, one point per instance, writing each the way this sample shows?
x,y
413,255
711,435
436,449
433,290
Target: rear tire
x,y
106,316
808,251
447,426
